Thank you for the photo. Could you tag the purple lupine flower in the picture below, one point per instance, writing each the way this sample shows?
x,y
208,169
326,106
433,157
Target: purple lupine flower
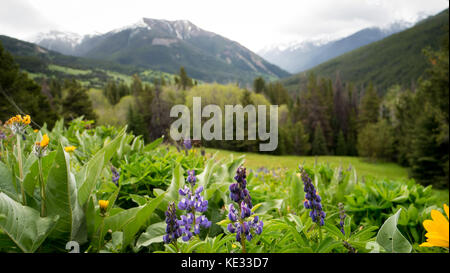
x,y
115,175
312,200
191,178
239,194
173,231
187,144
2,135
238,190
192,202
342,217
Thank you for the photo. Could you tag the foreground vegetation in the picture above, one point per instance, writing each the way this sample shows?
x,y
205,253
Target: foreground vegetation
x,y
104,190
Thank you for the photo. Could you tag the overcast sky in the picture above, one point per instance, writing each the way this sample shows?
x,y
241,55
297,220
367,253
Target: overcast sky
x,y
253,23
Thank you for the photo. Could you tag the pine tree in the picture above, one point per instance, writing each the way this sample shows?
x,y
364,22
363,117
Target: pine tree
x,y
369,108
341,147
76,102
21,95
319,145
259,85
184,81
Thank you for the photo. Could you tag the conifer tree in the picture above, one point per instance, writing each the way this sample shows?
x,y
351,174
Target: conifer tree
x,y
319,145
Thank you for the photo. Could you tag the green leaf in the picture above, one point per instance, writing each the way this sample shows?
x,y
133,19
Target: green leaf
x,y
390,238
61,199
175,185
332,229
90,172
6,182
132,227
153,144
23,225
269,205
32,177
153,234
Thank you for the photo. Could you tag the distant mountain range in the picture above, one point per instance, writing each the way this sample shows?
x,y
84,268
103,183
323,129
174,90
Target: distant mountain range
x,y
298,57
166,45
396,59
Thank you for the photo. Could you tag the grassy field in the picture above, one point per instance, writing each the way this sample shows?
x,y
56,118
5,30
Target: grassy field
x,y
385,170
363,168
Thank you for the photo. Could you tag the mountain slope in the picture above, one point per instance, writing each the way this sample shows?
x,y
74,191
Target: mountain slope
x,y
299,57
41,62
167,45
397,59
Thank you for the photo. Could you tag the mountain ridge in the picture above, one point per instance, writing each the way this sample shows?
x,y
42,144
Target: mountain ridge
x,y
166,45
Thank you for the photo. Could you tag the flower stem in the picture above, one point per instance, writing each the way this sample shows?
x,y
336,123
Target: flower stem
x,y
42,187
100,236
241,222
19,158
320,233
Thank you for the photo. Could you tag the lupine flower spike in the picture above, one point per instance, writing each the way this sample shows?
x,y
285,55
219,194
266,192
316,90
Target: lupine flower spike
x,y
192,202
173,231
312,200
239,223
115,175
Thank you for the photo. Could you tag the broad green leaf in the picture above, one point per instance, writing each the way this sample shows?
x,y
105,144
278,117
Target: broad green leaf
x,y
153,144
269,205
132,227
23,225
153,234
6,182
90,172
175,185
61,199
390,238
31,179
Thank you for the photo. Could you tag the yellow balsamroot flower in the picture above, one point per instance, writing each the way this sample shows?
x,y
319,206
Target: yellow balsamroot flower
x,y
70,149
45,141
26,120
103,206
17,124
437,229
35,130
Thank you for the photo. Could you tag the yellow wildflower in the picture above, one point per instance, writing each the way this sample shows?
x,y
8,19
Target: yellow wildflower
x,y
103,206
26,120
35,130
233,245
70,149
437,229
45,141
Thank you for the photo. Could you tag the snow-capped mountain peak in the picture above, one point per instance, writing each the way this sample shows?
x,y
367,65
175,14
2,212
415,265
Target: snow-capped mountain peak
x,y
70,38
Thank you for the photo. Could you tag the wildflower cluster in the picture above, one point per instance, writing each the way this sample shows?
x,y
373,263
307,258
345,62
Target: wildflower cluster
x,y
18,124
342,217
312,200
173,231
239,194
192,202
40,147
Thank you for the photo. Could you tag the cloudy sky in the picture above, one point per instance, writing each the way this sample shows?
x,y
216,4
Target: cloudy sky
x,y
253,23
